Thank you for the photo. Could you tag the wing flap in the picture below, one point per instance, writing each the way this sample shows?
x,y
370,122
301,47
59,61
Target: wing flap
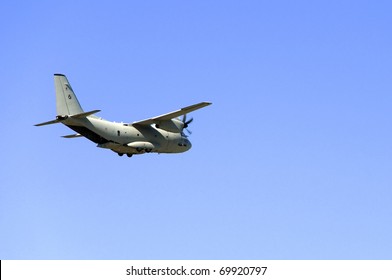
x,y
174,114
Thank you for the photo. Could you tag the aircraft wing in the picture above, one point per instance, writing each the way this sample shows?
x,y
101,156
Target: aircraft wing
x,y
174,114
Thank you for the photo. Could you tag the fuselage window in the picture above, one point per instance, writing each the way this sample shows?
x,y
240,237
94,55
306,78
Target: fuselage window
x,y
118,132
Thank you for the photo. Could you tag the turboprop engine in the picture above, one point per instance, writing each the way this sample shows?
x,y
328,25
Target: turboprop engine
x,y
174,125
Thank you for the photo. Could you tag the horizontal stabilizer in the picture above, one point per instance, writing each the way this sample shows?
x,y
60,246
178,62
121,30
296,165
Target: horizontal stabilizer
x,y
49,122
85,114
72,135
77,116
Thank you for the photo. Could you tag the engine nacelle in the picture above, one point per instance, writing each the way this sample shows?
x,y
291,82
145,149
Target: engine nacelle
x,y
173,125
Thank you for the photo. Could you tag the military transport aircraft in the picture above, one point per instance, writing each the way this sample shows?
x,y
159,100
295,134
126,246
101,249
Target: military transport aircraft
x,y
161,134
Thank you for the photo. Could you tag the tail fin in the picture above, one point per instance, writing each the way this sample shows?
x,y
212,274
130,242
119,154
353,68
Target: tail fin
x,y
66,101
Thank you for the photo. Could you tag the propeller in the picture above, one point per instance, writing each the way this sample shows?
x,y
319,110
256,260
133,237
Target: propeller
x,y
186,123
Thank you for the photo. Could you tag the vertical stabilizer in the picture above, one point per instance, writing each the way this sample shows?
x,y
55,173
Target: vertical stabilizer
x,y
66,101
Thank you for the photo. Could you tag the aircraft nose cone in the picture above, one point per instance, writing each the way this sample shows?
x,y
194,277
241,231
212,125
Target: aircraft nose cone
x,y
184,145
188,144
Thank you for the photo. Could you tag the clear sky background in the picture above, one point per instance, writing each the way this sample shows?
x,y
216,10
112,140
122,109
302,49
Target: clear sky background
x,y
292,161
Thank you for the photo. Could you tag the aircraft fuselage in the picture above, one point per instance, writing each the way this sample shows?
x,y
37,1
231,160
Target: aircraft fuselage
x,y
129,139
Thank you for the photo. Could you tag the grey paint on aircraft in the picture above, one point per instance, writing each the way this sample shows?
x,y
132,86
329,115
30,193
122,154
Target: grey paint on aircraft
x,y
161,134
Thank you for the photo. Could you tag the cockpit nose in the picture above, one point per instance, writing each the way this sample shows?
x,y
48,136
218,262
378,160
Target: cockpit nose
x,y
188,144
185,144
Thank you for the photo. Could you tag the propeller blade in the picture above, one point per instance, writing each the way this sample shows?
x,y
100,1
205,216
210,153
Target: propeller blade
x,y
186,123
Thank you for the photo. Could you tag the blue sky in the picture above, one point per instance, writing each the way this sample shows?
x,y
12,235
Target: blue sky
x,y
292,160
